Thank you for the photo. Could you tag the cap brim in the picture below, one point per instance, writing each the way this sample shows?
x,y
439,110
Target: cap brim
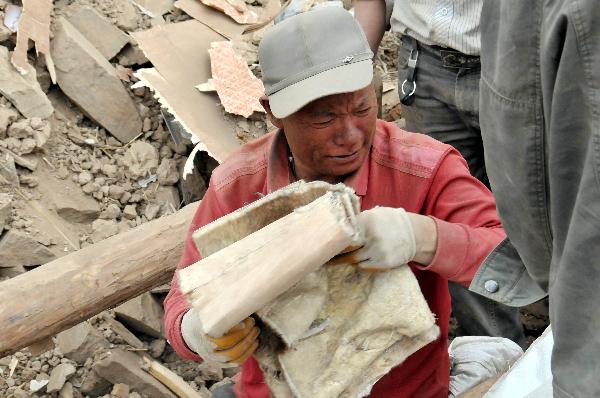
x,y
343,79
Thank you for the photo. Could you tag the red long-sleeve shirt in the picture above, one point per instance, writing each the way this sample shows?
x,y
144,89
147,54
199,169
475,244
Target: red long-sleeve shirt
x,y
403,169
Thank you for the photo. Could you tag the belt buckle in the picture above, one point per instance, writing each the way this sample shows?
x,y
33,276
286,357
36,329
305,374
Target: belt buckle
x,y
456,59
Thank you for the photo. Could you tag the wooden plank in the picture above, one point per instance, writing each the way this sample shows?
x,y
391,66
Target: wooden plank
x,y
232,283
170,379
51,298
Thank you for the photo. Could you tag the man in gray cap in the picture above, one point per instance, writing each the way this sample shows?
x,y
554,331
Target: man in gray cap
x,y
420,206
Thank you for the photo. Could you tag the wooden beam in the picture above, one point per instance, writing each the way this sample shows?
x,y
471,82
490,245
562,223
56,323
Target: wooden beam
x,y
232,283
51,298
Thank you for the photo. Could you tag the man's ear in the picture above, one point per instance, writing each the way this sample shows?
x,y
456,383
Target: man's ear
x,y
264,101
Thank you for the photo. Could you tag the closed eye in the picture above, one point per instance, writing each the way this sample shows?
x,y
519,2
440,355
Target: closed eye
x,y
364,111
323,120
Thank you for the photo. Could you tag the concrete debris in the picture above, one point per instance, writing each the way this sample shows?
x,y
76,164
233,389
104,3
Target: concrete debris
x,y
116,191
27,161
109,170
124,333
24,92
59,376
20,249
95,386
127,17
80,342
7,116
18,393
130,212
143,313
102,34
26,135
120,390
102,229
167,172
5,33
84,177
124,367
5,209
66,391
8,171
63,108
91,82
7,273
132,55
168,198
151,211
141,159
111,212
157,347
70,202
29,181
37,385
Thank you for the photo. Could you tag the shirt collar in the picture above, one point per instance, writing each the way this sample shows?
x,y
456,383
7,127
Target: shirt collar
x,y
279,174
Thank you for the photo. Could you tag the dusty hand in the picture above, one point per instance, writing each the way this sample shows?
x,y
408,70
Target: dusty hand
x,y
231,349
389,240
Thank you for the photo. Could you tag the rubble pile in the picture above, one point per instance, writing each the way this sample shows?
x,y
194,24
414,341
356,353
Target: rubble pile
x,y
87,152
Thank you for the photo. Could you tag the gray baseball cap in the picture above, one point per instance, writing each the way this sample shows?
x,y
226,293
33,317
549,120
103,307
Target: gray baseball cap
x,y
311,55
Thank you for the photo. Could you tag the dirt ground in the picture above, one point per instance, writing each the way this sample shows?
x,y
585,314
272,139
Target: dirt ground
x,y
66,183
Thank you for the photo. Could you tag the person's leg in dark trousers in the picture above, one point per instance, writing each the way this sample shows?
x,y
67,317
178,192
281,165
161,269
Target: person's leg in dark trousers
x,y
446,107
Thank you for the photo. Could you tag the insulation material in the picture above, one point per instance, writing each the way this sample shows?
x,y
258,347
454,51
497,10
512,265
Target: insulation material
x,y
352,327
236,9
179,53
34,24
239,90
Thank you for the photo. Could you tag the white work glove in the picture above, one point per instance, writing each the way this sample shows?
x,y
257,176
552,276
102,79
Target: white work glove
x,y
230,350
389,240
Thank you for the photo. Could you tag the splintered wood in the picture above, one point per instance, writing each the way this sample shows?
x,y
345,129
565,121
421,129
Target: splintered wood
x,y
229,285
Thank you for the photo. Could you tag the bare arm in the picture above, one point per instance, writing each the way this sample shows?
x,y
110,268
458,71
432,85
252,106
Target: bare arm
x,y
370,14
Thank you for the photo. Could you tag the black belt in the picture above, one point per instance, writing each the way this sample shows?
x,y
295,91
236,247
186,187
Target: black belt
x,y
456,59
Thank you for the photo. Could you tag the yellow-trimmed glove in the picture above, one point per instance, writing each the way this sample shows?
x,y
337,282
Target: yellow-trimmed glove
x,y
389,241
230,350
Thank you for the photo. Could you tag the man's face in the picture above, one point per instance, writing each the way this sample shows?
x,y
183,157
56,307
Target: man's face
x,y
331,137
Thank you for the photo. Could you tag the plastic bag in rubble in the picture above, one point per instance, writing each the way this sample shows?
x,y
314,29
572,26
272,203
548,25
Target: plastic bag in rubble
x,y
474,359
